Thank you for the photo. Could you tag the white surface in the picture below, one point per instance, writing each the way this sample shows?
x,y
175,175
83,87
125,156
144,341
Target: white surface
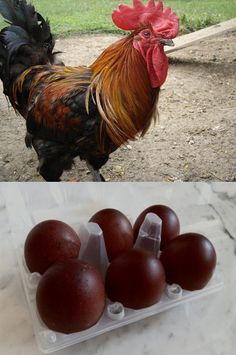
x,y
206,326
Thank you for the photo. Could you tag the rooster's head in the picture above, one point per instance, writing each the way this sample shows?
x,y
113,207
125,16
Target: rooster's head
x,y
153,27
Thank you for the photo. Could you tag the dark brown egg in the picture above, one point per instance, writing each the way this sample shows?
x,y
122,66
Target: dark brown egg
x,y
49,242
189,261
70,296
170,223
117,231
136,279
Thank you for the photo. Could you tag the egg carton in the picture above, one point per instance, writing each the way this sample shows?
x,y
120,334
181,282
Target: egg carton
x,y
115,314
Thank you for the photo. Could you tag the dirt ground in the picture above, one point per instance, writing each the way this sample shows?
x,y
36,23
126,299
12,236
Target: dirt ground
x,y
196,135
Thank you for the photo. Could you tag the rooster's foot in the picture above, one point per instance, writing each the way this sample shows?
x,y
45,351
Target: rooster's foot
x,y
97,176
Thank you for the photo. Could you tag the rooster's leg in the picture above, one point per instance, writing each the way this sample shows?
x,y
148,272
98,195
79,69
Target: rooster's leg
x,y
95,173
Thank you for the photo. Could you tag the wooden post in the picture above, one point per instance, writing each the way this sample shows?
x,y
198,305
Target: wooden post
x,y
195,37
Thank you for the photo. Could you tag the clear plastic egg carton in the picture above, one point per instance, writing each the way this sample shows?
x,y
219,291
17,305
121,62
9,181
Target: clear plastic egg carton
x,y
115,315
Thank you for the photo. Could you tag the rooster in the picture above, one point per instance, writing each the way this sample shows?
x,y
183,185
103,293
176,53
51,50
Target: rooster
x,y
84,111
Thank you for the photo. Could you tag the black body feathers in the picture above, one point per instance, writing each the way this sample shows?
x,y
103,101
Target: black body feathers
x,y
26,41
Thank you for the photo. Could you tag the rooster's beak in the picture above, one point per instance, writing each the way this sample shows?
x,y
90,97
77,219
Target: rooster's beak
x,y
167,42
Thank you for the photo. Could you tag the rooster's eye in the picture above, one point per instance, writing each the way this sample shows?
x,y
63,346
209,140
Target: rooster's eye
x,y
146,34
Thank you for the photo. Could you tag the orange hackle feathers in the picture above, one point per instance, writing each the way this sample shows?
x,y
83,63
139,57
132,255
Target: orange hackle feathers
x,y
123,91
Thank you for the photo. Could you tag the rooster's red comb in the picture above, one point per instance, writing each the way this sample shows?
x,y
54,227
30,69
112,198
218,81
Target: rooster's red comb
x,y
163,21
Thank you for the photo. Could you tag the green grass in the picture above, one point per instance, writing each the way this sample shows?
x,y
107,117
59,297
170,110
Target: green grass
x,y
75,16
197,14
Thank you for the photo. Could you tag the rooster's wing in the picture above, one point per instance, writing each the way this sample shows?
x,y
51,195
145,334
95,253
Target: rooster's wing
x,y
53,102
